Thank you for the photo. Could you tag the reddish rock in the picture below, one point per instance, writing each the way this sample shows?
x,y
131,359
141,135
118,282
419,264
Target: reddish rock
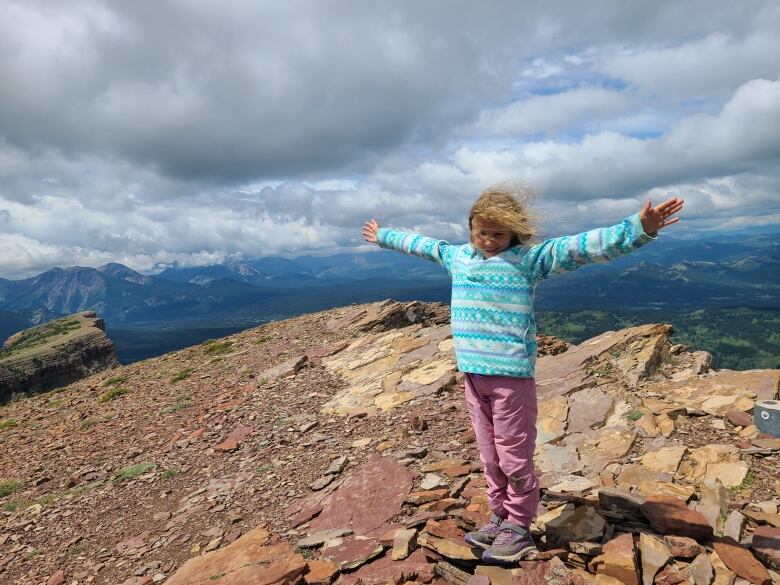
x,y
444,529
668,515
739,419
683,547
57,578
351,551
305,514
367,498
320,572
315,355
416,566
233,440
457,471
478,580
249,560
669,575
741,561
618,560
543,573
426,496
766,545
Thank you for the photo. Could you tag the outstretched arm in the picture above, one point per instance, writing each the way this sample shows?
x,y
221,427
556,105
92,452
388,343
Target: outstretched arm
x,y
558,255
431,249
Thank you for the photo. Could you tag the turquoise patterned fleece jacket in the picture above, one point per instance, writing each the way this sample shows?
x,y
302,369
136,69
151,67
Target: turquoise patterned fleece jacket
x,y
493,326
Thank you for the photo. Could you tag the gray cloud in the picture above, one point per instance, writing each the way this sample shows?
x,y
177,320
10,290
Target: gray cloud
x,y
148,133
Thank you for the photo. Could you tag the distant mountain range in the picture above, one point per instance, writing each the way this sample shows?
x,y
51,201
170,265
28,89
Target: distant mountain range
x,y
720,271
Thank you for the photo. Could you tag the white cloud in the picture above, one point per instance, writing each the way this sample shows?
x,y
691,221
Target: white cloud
x,y
554,113
277,128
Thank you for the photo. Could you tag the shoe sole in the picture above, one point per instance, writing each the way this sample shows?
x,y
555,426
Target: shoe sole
x,y
476,543
518,556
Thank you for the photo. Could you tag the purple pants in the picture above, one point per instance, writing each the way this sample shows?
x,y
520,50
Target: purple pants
x,y
503,413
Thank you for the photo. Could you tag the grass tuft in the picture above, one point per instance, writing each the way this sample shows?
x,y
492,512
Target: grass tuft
x,y
216,347
112,394
9,486
169,473
114,381
8,423
183,402
132,472
635,414
184,374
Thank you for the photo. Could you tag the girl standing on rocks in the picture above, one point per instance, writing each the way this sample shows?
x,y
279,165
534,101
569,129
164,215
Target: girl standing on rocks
x,y
494,334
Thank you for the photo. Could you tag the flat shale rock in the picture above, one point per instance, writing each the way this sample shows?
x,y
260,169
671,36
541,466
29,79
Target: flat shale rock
x,y
416,566
671,516
654,554
618,560
351,551
368,497
766,546
741,561
588,408
565,373
568,523
248,561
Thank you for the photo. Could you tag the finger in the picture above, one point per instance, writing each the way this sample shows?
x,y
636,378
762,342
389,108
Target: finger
x,y
671,204
662,207
672,210
670,222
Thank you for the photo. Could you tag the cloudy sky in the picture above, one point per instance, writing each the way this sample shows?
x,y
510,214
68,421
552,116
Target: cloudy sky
x,y
190,131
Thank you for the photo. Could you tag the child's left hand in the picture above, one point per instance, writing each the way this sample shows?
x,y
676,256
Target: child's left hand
x,y
655,218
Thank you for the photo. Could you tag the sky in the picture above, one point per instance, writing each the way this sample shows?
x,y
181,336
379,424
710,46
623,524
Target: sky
x,y
192,132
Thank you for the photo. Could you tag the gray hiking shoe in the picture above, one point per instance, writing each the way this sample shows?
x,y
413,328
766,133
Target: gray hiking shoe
x,y
485,536
513,543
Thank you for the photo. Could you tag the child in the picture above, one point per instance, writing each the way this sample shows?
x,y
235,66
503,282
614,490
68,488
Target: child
x,y
494,334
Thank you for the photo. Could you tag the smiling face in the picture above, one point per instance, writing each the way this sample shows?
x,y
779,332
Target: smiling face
x,y
490,238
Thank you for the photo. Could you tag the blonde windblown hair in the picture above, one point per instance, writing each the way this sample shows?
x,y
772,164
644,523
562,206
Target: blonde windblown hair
x,y
508,205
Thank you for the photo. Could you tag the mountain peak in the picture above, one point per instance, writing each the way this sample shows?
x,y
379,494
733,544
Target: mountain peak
x,y
118,270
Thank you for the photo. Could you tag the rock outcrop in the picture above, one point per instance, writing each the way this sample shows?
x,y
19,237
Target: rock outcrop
x,y
335,448
54,354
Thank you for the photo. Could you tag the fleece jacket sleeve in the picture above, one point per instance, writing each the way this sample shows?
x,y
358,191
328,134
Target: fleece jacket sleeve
x,y
566,253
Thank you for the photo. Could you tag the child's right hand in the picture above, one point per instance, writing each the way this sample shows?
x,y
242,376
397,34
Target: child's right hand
x,y
369,231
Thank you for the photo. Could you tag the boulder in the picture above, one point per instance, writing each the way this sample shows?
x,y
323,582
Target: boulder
x,y
618,560
250,560
669,515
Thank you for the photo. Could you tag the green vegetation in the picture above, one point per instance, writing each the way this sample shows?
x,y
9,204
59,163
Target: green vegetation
x,y
263,339
114,381
91,422
635,414
737,338
750,479
183,401
184,374
169,473
9,486
306,553
15,505
40,335
112,394
8,423
132,472
216,347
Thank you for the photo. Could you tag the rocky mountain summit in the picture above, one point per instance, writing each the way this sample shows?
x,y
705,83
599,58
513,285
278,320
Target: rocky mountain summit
x,y
336,448
54,354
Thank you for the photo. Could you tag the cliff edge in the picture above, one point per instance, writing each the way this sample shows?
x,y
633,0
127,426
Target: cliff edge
x,y
54,354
